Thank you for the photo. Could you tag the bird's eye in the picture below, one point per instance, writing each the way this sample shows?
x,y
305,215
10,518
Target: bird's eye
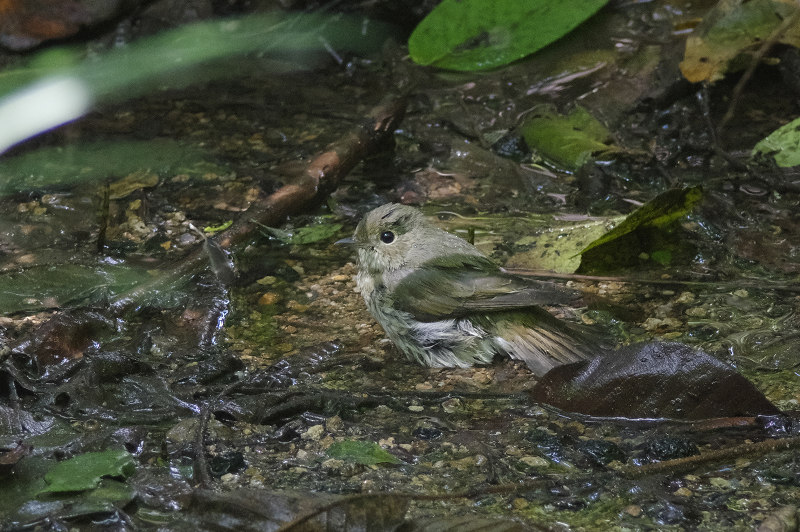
x,y
387,237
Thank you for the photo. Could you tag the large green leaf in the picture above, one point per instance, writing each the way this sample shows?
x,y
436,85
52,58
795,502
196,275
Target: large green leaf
x,y
479,35
558,248
783,144
85,471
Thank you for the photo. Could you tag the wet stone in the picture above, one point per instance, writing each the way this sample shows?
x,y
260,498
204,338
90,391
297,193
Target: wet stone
x,y
601,452
314,433
534,461
665,513
720,483
427,433
669,448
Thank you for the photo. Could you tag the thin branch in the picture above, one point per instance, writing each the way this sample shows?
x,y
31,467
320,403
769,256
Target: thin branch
x,y
757,284
667,466
200,462
737,451
759,55
321,176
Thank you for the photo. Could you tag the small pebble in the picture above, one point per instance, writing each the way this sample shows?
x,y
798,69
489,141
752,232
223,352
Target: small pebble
x,y
685,297
452,405
519,503
634,510
269,298
719,482
334,424
534,461
314,433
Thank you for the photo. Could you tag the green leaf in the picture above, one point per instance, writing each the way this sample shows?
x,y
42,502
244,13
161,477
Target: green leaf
x,y
658,212
361,452
662,256
58,285
85,471
92,161
558,249
478,35
218,228
305,235
783,144
570,140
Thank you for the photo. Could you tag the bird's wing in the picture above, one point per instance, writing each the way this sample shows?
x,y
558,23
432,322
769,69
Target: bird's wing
x,y
459,285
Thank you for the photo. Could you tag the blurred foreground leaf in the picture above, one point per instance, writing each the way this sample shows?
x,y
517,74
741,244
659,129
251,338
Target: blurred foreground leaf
x,y
361,452
120,72
63,90
783,144
479,35
97,161
84,471
568,140
732,29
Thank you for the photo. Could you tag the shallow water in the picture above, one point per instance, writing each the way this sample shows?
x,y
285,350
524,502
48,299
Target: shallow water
x,y
288,361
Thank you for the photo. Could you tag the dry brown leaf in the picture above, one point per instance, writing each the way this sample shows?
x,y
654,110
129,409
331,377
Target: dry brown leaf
x,y
733,30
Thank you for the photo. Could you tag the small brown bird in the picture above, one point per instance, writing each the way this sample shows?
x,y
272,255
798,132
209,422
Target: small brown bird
x,y
445,304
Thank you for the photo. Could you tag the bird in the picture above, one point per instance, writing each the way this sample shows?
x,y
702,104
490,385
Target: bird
x,y
444,303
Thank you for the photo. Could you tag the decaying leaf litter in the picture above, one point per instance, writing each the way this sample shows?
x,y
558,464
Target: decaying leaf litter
x,y
301,370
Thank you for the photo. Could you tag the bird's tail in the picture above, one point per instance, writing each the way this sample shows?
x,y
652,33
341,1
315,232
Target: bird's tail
x,y
543,342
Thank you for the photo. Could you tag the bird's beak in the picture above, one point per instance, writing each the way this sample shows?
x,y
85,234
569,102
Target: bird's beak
x,y
345,241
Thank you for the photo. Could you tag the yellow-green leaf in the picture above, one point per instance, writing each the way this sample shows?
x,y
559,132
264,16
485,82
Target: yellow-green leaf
x,y
658,212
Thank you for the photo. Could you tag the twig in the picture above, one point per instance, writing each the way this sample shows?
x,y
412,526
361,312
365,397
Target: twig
x,y
200,462
762,284
689,462
759,55
703,98
668,466
465,494
321,176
